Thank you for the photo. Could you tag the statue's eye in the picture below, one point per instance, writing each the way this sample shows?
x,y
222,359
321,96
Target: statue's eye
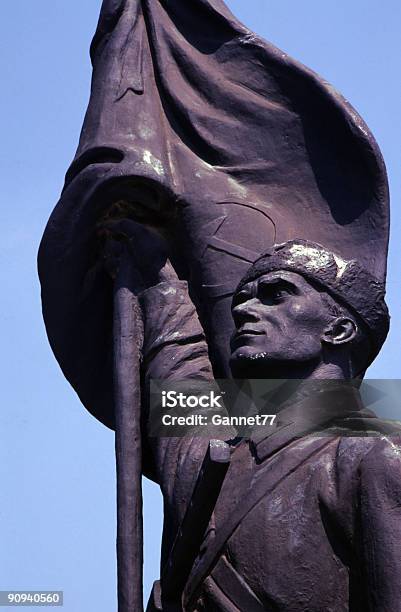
x,y
280,294
274,293
240,298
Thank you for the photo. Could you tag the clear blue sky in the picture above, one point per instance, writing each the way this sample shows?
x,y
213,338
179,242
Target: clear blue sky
x,y
57,512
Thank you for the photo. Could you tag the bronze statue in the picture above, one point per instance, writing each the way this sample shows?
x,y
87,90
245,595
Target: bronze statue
x,y
216,174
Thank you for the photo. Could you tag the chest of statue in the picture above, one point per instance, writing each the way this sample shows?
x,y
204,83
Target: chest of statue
x,y
270,543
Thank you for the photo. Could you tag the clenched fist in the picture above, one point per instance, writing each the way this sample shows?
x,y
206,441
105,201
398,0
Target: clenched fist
x,y
145,247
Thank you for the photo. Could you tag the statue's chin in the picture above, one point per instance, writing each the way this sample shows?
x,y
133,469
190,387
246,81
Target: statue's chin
x,y
252,356
248,363
248,353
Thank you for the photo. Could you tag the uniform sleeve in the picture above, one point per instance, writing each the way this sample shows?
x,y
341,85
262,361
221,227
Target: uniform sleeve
x,y
380,525
175,347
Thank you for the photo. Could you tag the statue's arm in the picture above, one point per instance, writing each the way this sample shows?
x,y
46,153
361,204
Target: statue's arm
x,y
175,346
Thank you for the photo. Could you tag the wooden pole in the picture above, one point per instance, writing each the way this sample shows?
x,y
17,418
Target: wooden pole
x,y
128,340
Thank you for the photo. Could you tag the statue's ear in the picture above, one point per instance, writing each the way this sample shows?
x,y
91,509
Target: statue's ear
x,y
341,330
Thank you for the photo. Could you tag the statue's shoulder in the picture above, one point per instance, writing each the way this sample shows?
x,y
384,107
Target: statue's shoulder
x,y
371,453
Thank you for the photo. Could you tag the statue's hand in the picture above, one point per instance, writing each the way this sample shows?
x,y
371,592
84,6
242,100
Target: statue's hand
x,y
145,247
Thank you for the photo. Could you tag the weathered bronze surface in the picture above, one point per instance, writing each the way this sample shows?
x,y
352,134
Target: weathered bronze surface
x,y
220,186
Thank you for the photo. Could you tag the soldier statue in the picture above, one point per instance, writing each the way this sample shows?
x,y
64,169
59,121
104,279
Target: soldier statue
x,y
226,216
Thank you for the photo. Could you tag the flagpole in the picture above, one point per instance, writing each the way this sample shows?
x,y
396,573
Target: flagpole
x,y
128,339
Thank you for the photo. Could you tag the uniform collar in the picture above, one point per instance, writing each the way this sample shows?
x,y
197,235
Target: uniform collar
x,y
321,406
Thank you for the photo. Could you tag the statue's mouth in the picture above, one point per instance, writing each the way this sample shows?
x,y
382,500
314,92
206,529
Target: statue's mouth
x,y
242,335
248,332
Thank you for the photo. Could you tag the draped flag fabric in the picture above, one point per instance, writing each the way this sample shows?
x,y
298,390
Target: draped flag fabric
x,y
225,139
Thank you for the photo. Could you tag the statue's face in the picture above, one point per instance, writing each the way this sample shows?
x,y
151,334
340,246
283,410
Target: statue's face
x,y
279,317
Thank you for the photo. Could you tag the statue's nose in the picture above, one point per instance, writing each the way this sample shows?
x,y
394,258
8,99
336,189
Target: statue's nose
x,y
244,312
